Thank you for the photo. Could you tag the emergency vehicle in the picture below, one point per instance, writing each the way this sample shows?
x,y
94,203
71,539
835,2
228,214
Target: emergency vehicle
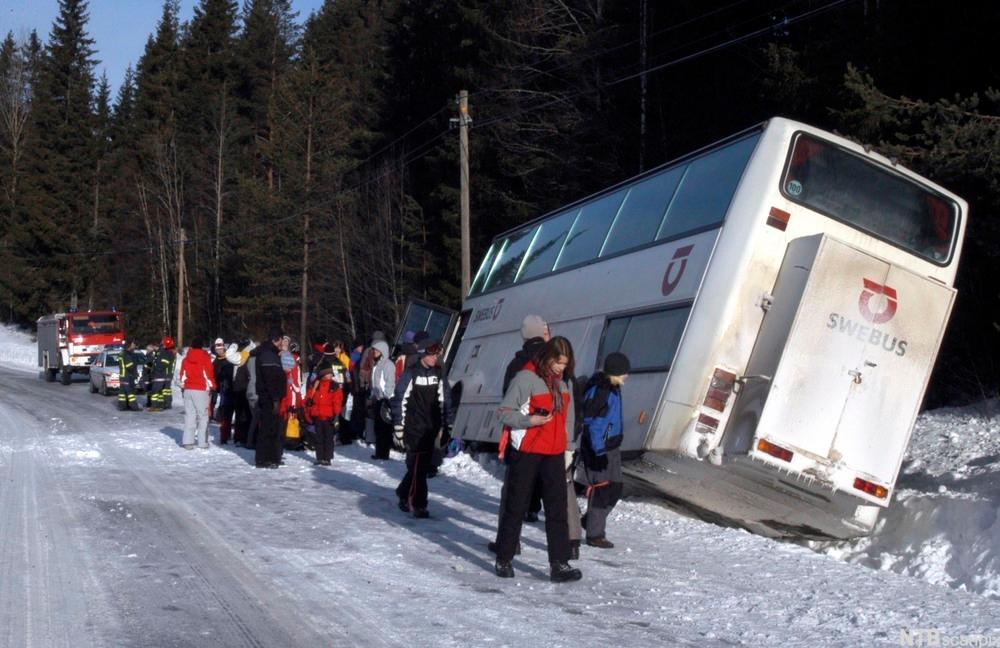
x,y
69,342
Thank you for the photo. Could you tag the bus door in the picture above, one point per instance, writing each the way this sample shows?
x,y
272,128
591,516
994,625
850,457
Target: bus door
x,y
439,323
841,363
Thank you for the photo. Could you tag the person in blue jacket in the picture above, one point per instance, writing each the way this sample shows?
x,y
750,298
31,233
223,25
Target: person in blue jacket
x,y
601,446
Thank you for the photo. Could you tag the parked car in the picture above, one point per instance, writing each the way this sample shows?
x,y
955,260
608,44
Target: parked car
x,y
104,372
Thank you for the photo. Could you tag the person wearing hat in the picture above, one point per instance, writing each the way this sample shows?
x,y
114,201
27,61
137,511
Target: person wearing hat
x,y
324,402
421,411
128,374
161,373
601,446
223,404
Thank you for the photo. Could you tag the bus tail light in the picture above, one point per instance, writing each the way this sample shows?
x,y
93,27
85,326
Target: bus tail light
x,y
778,218
720,388
775,451
872,489
706,424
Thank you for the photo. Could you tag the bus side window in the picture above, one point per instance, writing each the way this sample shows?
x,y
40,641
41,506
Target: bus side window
x,y
640,216
586,238
707,188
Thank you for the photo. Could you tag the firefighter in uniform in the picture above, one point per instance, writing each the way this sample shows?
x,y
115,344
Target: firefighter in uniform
x,y
162,374
128,374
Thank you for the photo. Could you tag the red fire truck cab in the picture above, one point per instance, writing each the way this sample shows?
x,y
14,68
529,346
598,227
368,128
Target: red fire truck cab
x,y
69,342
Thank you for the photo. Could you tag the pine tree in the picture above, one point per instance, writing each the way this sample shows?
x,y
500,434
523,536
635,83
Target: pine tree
x,y
54,216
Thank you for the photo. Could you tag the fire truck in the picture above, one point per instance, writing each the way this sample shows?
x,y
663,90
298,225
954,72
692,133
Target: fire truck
x,y
69,342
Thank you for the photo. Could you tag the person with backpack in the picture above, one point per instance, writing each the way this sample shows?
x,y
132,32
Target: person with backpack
x,y
538,417
324,402
421,412
601,439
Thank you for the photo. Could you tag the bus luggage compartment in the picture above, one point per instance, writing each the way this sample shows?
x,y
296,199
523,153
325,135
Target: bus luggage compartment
x,y
838,371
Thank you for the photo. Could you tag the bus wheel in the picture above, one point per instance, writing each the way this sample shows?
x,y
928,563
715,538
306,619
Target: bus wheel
x,y
66,376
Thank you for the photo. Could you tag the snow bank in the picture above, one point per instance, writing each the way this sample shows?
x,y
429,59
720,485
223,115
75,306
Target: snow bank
x,y
943,524
17,347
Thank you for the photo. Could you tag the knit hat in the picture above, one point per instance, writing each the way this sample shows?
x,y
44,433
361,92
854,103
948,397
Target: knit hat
x,y
616,364
421,336
429,347
408,336
327,349
275,334
533,326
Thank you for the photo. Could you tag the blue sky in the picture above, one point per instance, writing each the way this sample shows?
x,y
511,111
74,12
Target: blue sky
x,y
119,27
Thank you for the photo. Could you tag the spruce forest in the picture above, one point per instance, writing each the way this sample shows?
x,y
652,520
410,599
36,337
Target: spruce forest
x,y
286,147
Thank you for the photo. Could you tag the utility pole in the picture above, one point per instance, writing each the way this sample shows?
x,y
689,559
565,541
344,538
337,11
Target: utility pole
x,y
463,143
181,272
643,46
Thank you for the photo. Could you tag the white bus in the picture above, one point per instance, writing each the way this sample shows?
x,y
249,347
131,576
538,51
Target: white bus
x,y
782,296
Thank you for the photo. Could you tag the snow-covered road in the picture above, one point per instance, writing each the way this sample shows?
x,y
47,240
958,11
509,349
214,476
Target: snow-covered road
x,y
113,535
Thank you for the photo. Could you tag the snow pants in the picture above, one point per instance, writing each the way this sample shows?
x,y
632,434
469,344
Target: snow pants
x,y
413,488
572,506
270,436
126,394
325,431
196,404
241,407
523,469
383,434
604,489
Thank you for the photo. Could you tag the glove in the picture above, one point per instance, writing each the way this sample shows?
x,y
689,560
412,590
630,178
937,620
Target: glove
x,y
598,462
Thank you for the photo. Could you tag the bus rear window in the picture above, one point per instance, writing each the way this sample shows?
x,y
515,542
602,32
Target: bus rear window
x,y
889,206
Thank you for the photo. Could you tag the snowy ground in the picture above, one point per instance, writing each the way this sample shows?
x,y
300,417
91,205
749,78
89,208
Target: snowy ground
x,y
112,535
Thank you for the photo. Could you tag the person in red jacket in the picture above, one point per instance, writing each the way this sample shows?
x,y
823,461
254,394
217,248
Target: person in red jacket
x,y
197,383
324,402
538,418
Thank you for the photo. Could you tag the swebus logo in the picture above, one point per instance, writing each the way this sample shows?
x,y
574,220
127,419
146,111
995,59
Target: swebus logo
x,y
888,308
488,313
680,259
871,334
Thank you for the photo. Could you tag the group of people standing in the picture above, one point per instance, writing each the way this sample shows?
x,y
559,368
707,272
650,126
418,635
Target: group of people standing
x,y
559,429
158,372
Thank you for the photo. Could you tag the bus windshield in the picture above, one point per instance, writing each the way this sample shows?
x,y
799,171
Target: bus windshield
x,y
889,206
96,323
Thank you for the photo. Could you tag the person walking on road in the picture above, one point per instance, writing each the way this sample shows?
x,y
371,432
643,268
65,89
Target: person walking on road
x,y
197,383
537,412
421,411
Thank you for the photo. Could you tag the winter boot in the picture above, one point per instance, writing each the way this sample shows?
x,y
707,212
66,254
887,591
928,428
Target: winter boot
x,y
563,573
421,513
503,568
492,546
602,543
404,506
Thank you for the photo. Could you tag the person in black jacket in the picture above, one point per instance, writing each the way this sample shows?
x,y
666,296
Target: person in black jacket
x,y
270,388
223,404
421,410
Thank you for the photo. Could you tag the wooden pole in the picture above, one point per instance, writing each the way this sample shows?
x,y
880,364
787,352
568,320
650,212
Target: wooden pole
x,y
181,272
463,126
